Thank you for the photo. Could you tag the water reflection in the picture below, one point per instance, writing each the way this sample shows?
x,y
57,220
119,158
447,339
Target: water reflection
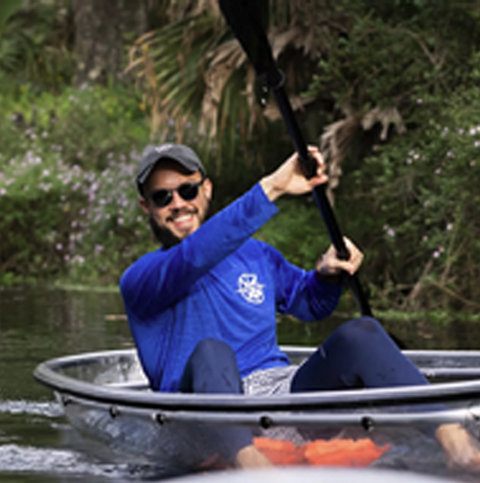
x,y
38,324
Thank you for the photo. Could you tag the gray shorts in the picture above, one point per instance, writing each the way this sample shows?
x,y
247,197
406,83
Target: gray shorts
x,y
268,382
273,382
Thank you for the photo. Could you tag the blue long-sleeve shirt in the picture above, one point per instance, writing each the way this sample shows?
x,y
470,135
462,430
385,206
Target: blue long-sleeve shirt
x,y
219,283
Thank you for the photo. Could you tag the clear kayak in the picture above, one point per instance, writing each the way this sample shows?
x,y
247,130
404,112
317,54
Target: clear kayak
x,y
105,395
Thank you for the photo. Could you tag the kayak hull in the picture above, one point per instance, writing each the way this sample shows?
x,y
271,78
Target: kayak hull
x,y
105,395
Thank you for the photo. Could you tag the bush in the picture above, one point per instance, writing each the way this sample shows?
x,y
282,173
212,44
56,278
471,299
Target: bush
x,y
423,190
66,182
297,231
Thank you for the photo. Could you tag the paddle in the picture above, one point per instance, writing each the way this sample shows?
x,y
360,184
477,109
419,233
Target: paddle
x,y
248,20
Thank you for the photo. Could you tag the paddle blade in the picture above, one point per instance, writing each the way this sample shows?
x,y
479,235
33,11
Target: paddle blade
x,y
248,20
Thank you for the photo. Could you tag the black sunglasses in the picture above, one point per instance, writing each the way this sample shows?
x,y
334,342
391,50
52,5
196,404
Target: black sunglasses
x,y
187,191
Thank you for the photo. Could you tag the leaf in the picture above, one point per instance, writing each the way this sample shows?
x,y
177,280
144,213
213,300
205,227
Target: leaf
x,y
7,9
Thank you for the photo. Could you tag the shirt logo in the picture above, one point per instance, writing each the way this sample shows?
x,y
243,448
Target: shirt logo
x,y
250,289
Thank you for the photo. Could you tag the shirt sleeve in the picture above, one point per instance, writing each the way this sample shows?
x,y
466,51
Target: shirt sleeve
x,y
159,278
301,293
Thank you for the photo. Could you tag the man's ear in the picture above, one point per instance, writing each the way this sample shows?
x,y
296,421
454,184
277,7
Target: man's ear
x,y
208,189
143,205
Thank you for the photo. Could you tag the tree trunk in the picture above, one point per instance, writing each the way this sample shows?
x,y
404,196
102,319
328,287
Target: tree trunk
x,y
103,28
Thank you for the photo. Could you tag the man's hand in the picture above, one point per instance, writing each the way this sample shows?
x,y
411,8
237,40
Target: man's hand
x,y
329,265
289,179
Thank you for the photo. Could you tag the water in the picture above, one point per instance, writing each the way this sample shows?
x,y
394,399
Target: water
x,y
36,443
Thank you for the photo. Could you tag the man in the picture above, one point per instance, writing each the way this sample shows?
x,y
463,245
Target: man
x,y
202,308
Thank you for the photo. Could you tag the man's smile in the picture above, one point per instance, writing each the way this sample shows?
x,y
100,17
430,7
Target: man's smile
x,y
183,216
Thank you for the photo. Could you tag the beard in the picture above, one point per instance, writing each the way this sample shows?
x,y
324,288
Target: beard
x,y
164,236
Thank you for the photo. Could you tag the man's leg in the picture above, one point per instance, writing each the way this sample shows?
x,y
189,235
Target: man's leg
x,y
212,369
361,354
357,354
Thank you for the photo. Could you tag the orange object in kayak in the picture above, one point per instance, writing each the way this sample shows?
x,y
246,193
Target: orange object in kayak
x,y
335,452
281,453
343,452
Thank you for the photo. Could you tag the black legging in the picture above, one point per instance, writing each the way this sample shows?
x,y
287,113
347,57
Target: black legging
x,y
357,354
212,369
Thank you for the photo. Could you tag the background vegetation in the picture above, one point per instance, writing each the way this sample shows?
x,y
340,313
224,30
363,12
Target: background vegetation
x,y
390,91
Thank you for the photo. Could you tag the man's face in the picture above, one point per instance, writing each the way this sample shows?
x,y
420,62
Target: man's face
x,y
179,218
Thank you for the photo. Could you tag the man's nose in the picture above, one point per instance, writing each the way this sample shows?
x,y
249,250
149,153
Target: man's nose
x,y
177,200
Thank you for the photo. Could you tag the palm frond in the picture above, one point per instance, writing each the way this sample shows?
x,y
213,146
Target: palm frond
x,y
334,144
167,65
193,60
225,60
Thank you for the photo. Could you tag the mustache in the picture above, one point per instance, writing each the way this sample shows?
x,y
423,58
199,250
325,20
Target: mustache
x,y
164,236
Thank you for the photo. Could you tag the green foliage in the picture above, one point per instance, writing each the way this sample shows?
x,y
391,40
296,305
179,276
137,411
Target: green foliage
x,y
298,232
68,203
423,188
7,9
386,54
409,201
85,124
36,43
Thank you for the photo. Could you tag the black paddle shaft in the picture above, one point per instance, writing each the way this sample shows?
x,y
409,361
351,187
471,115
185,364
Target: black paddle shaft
x,y
248,20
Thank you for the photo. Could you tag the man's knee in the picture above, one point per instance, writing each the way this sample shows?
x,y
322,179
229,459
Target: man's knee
x,y
357,330
212,368
212,349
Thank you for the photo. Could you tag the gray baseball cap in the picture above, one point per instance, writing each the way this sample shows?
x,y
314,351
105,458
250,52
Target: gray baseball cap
x,y
179,153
